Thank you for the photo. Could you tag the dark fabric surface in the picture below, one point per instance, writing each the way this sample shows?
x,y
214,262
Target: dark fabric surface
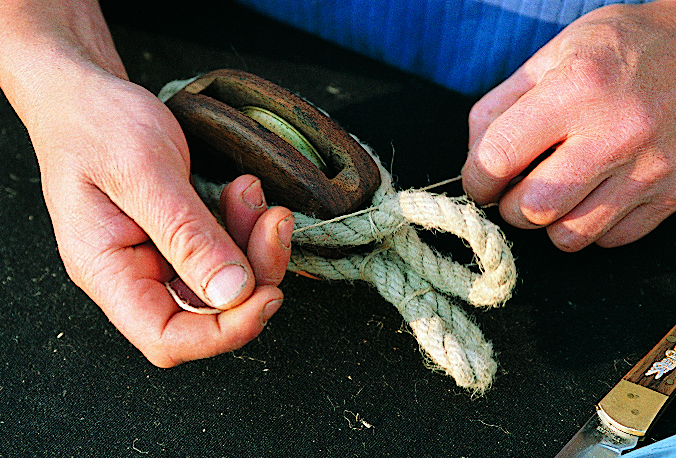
x,y
335,373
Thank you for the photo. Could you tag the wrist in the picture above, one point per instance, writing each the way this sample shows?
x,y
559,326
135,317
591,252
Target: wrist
x,y
46,43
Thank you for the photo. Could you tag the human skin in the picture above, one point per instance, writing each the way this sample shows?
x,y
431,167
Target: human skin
x,y
115,166
603,94
115,172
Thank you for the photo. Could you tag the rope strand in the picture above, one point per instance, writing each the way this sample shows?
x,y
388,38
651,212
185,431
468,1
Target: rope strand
x,y
416,279
412,276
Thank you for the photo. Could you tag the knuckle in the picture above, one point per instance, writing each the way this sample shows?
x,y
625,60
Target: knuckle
x,y
161,357
246,335
496,155
637,124
169,348
475,114
187,241
591,73
480,113
270,278
538,216
650,176
603,63
568,240
539,209
660,167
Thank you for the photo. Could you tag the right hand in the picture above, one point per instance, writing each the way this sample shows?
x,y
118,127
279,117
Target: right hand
x,y
601,98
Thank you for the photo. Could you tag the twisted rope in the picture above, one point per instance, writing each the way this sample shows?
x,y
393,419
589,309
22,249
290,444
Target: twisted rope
x,y
416,279
412,276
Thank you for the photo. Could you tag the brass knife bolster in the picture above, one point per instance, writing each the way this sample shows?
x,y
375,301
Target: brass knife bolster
x,y
634,403
631,408
627,411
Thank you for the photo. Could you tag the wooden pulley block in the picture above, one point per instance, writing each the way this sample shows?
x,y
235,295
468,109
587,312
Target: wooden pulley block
x,y
305,161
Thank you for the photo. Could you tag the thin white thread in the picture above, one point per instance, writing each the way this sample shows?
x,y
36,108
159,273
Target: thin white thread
x,y
412,276
334,220
441,183
401,266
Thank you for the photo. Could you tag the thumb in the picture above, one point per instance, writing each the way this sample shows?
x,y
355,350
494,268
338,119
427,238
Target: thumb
x,y
496,102
166,206
202,253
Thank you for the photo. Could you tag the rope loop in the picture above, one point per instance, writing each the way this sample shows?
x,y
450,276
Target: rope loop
x,y
419,281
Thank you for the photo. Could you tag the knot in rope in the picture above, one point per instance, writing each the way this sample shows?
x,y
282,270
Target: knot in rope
x,y
418,280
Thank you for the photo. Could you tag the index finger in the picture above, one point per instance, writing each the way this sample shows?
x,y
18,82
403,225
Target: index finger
x,y
536,122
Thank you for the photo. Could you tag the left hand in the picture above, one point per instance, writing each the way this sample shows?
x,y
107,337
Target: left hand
x,y
602,94
115,173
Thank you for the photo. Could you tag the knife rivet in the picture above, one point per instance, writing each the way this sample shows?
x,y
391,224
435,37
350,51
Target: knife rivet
x,y
670,381
671,339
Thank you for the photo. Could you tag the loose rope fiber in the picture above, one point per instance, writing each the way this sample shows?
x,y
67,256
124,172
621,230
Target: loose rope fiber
x,y
416,279
411,275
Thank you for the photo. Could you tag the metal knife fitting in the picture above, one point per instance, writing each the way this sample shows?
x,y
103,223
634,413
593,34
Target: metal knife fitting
x,y
624,415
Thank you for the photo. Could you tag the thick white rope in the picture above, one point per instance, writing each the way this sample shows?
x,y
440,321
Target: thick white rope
x,y
408,273
411,275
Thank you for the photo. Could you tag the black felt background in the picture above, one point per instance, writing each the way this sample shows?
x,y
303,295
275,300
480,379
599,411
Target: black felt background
x,y
335,373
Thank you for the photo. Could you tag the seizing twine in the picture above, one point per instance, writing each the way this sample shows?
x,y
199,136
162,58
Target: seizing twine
x,y
415,278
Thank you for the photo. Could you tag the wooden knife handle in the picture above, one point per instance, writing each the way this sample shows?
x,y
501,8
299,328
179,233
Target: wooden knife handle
x,y
663,378
637,400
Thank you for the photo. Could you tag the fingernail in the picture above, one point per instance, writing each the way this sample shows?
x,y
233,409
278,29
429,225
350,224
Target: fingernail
x,y
253,195
225,285
285,231
269,310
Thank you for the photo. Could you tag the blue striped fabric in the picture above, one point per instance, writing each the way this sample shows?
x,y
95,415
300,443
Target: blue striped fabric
x,y
466,45
666,448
